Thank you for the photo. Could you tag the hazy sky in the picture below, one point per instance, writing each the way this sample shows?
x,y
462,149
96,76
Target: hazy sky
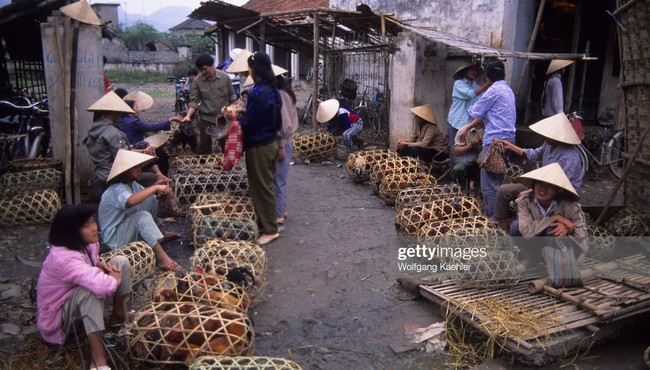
x,y
147,7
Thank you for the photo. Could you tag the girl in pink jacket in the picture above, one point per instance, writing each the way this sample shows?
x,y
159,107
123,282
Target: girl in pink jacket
x,y
73,283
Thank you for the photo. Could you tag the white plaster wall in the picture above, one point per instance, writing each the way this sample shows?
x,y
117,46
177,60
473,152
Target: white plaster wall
x,y
477,20
402,79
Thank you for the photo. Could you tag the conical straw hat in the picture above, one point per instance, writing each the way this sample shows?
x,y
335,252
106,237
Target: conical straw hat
x,y
425,112
157,140
557,128
125,160
327,110
460,71
276,70
82,12
110,102
143,100
550,174
557,64
240,64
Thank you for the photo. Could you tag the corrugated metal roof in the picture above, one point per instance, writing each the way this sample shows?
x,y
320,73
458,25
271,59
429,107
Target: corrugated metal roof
x,y
470,47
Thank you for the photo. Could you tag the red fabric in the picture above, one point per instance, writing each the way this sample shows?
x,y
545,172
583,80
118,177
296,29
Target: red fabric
x,y
234,146
107,85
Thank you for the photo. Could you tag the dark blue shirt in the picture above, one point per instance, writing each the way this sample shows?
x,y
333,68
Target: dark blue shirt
x,y
134,127
261,122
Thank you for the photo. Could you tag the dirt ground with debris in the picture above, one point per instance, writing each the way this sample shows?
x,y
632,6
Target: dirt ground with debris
x,y
331,302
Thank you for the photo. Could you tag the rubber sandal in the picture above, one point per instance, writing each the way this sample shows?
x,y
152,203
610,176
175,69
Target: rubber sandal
x,y
266,239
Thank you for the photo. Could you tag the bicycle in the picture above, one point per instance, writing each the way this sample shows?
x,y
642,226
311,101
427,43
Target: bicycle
x,y
598,150
24,131
373,114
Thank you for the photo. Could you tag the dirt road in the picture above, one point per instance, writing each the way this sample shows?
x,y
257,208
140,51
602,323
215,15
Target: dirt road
x,y
331,301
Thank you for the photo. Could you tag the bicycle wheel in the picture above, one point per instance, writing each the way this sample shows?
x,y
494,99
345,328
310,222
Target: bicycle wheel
x,y
306,114
584,158
615,155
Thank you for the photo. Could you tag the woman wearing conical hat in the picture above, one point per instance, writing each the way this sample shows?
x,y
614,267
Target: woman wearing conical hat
x,y
550,209
426,142
560,146
135,128
553,95
127,211
466,91
105,139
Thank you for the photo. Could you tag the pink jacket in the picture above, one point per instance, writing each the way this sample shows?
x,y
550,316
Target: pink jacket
x,y
63,270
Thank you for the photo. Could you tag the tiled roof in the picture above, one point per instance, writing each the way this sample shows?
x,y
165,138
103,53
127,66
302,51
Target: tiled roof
x,y
272,6
191,24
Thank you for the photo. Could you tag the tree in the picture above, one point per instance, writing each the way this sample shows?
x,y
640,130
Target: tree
x,y
138,35
200,45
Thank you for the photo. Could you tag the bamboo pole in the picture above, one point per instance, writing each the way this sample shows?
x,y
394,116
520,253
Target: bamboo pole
x,y
67,166
74,126
314,91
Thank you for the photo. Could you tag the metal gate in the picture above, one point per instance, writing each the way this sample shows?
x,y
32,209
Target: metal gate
x,y
369,68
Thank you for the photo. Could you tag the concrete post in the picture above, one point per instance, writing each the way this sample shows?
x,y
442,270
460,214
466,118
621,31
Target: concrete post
x,y
402,82
89,85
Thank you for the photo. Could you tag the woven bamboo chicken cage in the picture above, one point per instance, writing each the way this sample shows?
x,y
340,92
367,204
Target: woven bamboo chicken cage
x,y
33,180
393,184
222,258
27,164
409,221
514,171
629,225
389,166
435,229
196,161
412,196
484,257
602,243
210,290
207,228
243,362
141,258
189,184
318,145
226,206
359,164
37,207
178,332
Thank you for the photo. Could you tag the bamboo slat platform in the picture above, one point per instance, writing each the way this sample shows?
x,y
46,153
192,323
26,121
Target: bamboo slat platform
x,y
563,321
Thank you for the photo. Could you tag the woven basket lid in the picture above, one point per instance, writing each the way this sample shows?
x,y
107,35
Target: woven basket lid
x,y
557,64
125,160
143,100
460,71
240,64
110,102
276,71
425,112
557,128
82,12
550,174
157,140
327,110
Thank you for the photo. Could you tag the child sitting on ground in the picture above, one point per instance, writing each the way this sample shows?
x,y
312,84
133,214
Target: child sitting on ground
x,y
340,119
